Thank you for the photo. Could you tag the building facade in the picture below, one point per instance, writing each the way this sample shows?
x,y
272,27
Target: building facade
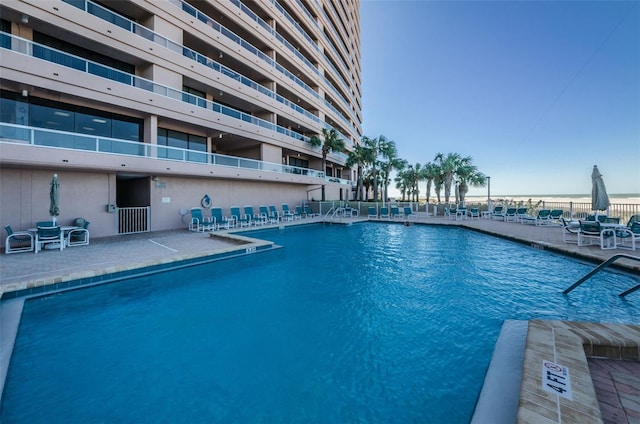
x,y
144,107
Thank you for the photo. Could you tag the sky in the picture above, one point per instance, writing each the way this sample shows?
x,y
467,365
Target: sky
x,y
536,92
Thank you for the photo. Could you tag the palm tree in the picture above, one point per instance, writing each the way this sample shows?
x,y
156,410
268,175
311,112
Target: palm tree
x,y
430,173
332,143
448,165
404,181
389,152
469,175
373,144
360,156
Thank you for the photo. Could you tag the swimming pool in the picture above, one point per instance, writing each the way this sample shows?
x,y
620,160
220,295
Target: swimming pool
x,y
370,322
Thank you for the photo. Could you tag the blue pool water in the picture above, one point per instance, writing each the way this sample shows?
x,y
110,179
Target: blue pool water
x,y
371,322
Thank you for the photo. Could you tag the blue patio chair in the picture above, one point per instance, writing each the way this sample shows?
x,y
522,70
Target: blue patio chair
x,y
510,215
309,212
48,235
300,212
19,241
239,218
255,218
220,221
408,213
286,213
542,218
498,212
266,216
373,212
473,213
395,212
631,233
79,236
570,230
384,212
591,232
199,222
274,214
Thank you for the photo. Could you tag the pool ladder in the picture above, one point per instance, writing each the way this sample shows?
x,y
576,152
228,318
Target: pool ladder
x,y
600,268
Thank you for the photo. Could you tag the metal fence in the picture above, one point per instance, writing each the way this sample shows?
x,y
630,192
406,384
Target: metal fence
x,y
133,220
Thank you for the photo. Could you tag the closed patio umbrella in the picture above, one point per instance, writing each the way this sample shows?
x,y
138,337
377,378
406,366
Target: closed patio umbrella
x,y
54,198
599,197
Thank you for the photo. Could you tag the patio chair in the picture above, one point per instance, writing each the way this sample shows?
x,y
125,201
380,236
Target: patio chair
x,y
473,213
542,218
570,231
309,212
255,218
287,213
19,241
498,212
266,216
592,233
239,218
555,215
395,212
408,213
450,211
49,235
373,212
461,213
510,215
631,233
384,212
300,213
79,236
220,221
274,214
520,212
199,222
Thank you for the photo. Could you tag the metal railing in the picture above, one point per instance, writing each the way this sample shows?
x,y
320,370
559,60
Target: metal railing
x,y
133,220
600,268
21,134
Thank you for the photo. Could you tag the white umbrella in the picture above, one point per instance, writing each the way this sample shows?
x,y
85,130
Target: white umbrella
x,y
54,198
599,197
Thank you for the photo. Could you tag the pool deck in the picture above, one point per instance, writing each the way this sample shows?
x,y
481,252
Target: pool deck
x,y
567,343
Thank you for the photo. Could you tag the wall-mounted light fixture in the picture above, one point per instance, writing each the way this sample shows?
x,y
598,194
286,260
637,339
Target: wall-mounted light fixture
x,y
24,19
154,178
221,55
25,93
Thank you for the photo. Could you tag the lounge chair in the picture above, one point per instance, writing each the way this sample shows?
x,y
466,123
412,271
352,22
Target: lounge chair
x,y
461,213
49,235
384,212
309,212
450,211
498,212
287,213
510,215
19,241
570,230
199,222
631,233
373,212
300,212
255,218
274,214
220,221
520,213
555,215
591,232
541,219
239,218
266,217
473,213
408,213
395,212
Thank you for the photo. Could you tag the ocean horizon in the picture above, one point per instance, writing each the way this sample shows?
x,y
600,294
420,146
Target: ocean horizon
x,y
624,198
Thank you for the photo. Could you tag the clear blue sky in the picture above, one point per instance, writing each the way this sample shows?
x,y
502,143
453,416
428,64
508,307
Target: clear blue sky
x,y
536,92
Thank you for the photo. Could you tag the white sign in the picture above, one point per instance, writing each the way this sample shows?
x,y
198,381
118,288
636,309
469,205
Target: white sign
x,y
555,379
166,200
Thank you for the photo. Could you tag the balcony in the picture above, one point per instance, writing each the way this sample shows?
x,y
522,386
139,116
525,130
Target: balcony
x,y
11,134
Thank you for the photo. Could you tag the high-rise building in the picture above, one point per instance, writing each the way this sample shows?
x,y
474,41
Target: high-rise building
x,y
146,108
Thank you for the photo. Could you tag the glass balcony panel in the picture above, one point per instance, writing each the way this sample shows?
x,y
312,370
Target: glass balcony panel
x,y
108,16
15,134
227,161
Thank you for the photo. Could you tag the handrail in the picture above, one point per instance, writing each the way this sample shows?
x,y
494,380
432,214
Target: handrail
x,y
601,267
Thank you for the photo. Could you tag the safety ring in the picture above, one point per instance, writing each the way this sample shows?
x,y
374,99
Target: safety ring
x,y
206,201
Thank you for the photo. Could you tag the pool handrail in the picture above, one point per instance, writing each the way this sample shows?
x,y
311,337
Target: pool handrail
x,y
600,268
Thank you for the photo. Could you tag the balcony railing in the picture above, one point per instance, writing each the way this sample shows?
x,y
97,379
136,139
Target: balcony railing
x,y
109,16
11,133
40,51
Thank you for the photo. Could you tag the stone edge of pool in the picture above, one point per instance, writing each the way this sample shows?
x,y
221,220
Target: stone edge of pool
x,y
516,368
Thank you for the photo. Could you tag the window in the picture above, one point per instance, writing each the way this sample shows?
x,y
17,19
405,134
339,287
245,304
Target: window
x,y
195,143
